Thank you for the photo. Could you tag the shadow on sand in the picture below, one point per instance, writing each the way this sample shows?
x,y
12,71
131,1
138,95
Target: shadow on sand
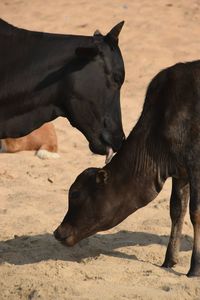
x,y
31,249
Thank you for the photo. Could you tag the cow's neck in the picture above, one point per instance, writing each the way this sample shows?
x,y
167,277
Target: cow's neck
x,y
36,90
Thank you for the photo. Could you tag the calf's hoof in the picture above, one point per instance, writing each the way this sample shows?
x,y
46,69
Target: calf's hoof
x,y
169,264
194,272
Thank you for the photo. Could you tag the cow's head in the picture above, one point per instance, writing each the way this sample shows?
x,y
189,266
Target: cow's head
x,y
95,82
93,206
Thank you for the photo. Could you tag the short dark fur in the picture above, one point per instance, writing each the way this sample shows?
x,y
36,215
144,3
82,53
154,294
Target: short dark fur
x,y
45,75
164,143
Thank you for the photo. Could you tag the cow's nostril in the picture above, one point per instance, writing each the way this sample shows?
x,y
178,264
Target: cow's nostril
x,y
115,141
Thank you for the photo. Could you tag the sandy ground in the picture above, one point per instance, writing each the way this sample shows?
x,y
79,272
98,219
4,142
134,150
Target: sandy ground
x,y
122,263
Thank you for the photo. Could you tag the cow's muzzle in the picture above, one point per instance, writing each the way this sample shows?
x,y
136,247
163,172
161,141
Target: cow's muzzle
x,y
106,141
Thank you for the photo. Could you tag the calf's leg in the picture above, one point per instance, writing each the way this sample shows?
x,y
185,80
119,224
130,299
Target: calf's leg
x,y
195,219
178,207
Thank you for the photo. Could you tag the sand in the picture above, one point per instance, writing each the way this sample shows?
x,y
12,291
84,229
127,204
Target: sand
x,y
122,263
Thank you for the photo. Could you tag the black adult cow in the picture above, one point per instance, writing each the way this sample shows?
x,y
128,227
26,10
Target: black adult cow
x,y
45,75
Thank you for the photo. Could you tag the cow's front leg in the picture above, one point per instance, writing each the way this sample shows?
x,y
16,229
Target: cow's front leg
x,y
178,207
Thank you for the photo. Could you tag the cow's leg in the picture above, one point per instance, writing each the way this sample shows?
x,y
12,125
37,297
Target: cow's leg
x,y
195,218
47,151
178,207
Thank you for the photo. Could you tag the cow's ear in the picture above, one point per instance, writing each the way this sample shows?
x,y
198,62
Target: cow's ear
x,y
97,32
102,176
115,31
87,52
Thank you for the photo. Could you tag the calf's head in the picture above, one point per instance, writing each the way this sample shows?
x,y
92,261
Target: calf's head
x,y
91,208
94,99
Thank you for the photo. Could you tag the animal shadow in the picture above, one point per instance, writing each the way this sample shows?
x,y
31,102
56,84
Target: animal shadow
x,y
42,247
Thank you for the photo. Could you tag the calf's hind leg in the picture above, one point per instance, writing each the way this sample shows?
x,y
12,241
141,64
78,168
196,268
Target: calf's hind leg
x,y
178,207
195,219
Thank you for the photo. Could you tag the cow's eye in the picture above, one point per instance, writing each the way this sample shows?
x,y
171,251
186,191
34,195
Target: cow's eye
x,y
74,195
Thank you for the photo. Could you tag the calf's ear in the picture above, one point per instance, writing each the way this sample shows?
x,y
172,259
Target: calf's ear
x,y
102,177
87,52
